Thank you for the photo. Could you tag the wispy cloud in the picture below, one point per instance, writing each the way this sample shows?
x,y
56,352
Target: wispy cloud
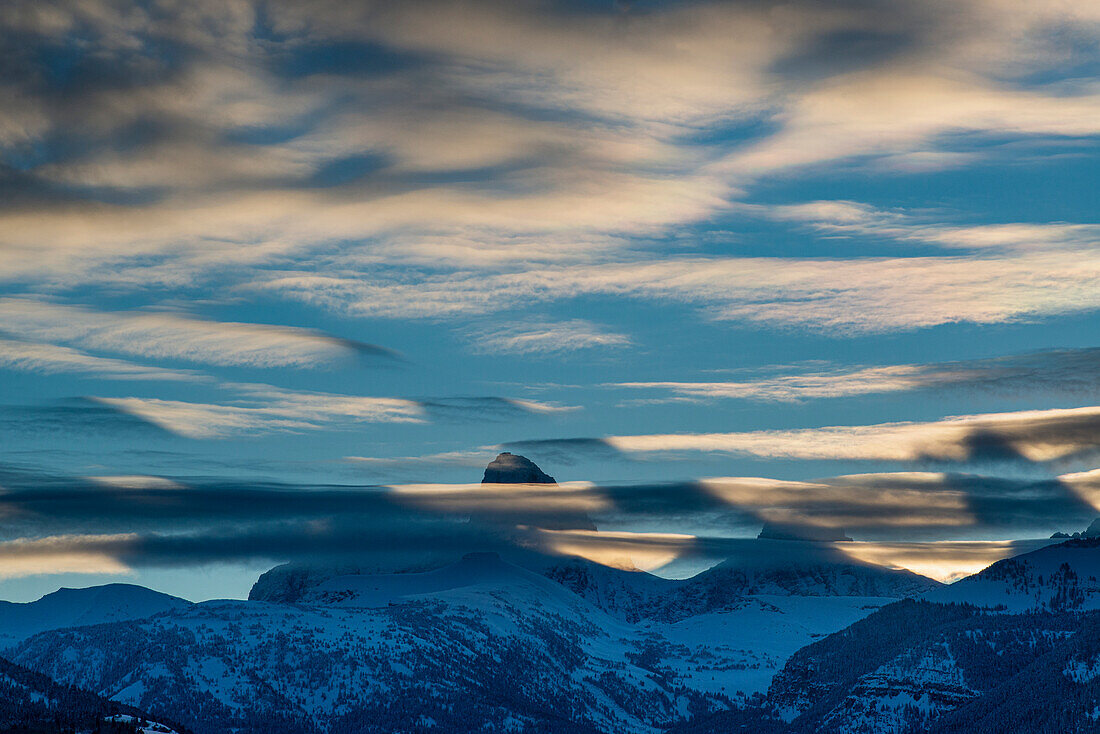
x,y
463,152
265,409
257,409
547,338
1062,370
173,336
490,406
53,359
854,218
838,295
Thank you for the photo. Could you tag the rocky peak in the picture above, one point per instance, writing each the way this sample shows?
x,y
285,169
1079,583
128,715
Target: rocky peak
x,y
510,468
1092,531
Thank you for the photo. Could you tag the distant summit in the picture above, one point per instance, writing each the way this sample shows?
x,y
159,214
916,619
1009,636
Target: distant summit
x,y
786,531
1092,531
514,469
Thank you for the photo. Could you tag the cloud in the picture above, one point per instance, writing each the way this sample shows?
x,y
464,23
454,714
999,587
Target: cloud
x,y
93,554
873,114
186,146
121,553
945,561
1059,370
136,521
136,481
405,465
52,359
838,218
265,409
1025,436
1086,485
262,409
840,296
75,418
171,336
490,406
547,338
883,506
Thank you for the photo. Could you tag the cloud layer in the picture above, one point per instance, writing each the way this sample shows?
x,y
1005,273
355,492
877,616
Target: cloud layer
x,y
317,150
1025,436
1065,371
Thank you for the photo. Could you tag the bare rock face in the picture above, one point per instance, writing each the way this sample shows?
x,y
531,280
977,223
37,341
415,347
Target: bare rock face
x,y
515,469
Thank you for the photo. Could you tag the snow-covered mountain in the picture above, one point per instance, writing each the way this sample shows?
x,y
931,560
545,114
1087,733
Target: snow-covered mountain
x,y
520,642
1015,648
78,607
1055,578
565,645
921,666
33,702
758,566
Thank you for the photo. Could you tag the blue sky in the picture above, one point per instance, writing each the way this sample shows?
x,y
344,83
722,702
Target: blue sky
x,y
345,244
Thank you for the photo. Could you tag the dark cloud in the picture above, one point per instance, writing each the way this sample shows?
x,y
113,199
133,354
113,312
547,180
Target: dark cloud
x,y
844,51
75,417
1058,371
567,450
484,406
872,506
1074,371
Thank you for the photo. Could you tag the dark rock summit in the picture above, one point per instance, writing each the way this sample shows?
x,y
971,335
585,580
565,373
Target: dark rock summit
x,y
1092,531
514,469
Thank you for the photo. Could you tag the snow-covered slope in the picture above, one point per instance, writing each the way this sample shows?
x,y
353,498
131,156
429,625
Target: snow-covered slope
x,y
476,574
482,642
799,568
77,607
758,566
1013,648
919,666
1058,577
33,702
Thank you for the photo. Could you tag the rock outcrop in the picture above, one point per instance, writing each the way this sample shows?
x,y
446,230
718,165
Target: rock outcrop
x,y
510,468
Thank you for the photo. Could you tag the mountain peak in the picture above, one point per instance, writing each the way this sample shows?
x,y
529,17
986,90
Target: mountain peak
x,y
1092,531
510,468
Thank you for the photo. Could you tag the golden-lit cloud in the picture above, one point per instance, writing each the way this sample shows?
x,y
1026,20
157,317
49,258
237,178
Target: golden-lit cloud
x,y
60,554
621,549
1086,485
914,500
519,500
945,561
1036,436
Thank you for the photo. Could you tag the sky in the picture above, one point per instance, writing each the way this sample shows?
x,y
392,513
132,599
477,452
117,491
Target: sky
x,y
278,279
